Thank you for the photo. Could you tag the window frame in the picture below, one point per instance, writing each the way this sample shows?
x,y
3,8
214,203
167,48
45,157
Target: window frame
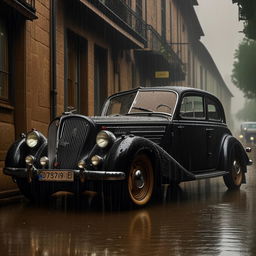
x,y
218,107
204,118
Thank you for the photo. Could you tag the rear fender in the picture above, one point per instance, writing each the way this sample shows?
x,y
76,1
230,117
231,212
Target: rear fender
x,y
228,144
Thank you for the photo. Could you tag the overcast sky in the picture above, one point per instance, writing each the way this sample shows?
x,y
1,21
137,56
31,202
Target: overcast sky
x,y
219,20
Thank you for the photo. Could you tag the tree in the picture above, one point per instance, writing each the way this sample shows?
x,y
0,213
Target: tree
x,y
247,12
248,111
244,68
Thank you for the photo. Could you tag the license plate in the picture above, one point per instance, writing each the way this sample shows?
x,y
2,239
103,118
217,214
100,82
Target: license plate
x,y
56,176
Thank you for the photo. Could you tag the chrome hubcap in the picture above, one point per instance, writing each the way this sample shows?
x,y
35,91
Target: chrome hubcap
x,y
139,179
236,168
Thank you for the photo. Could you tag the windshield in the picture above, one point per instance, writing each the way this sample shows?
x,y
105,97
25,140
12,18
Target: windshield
x,y
143,101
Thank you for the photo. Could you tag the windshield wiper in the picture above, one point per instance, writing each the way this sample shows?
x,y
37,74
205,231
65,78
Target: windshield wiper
x,y
143,109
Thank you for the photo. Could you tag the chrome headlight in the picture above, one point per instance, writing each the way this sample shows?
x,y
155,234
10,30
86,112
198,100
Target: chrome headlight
x,y
44,160
105,138
29,160
96,160
32,139
81,164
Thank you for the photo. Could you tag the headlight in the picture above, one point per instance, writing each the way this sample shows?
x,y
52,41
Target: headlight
x,y
44,160
81,164
251,138
105,138
241,136
32,139
96,160
29,160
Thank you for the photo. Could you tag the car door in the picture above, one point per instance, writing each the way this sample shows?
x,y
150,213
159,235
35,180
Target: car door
x,y
215,130
190,133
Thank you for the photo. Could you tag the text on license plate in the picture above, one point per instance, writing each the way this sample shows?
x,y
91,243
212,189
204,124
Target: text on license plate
x,y
56,176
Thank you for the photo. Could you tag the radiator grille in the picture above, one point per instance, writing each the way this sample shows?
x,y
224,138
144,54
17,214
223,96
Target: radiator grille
x,y
67,141
72,141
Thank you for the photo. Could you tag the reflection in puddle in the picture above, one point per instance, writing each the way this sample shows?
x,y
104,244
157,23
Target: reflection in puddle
x,y
195,218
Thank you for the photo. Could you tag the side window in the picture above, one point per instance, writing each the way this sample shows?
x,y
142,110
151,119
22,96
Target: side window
x,y
213,111
192,107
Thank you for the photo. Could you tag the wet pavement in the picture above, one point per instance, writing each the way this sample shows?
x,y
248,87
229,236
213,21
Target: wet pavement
x,y
196,218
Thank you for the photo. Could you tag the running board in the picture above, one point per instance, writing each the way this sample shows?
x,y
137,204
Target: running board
x,y
210,175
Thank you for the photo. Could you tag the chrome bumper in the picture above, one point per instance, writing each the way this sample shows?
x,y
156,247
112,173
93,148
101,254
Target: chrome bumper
x,y
78,174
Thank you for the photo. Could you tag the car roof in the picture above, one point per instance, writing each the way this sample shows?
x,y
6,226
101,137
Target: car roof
x,y
178,89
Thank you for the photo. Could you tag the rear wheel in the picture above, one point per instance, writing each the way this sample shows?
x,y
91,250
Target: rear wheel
x,y
234,179
140,180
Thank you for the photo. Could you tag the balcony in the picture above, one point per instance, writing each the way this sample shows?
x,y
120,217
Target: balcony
x,y
160,46
123,18
161,56
25,7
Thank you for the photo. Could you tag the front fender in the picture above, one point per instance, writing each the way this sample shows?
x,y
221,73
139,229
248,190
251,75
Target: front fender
x,y
124,149
19,150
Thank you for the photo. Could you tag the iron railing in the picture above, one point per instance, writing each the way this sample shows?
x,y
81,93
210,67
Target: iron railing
x,y
158,44
28,3
125,14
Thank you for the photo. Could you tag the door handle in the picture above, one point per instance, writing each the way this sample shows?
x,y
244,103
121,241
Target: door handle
x,y
209,129
181,127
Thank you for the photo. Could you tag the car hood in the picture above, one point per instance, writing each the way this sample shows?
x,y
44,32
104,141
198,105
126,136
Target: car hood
x,y
150,127
136,120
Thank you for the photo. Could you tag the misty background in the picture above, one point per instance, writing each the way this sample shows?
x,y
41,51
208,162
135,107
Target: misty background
x,y
222,29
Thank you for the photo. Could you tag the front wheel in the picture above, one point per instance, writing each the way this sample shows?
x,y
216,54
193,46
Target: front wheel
x,y
140,180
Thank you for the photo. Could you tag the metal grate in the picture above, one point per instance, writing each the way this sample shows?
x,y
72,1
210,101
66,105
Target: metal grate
x,y
72,140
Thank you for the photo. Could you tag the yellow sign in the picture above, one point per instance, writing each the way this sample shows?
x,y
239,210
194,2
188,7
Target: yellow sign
x,y
162,74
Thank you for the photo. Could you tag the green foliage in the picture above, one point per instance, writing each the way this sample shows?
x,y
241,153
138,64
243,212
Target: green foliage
x,y
247,12
250,29
244,68
248,113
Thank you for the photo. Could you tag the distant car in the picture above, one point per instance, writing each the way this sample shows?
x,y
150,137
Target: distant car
x,y
144,138
248,132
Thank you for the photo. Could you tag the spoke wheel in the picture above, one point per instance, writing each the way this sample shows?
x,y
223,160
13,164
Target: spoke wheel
x,y
234,178
141,180
237,174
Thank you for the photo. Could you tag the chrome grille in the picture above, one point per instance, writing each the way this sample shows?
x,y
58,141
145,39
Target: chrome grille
x,y
72,141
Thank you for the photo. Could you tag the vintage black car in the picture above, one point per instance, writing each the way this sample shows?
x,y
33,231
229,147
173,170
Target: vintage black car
x,y
248,132
144,137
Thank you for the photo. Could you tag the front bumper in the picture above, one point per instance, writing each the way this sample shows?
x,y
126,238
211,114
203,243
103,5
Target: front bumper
x,y
83,174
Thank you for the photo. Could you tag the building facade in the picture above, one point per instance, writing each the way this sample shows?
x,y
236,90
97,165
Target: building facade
x,y
59,55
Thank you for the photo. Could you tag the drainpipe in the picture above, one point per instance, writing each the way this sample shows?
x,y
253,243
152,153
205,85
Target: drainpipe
x,y
53,93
